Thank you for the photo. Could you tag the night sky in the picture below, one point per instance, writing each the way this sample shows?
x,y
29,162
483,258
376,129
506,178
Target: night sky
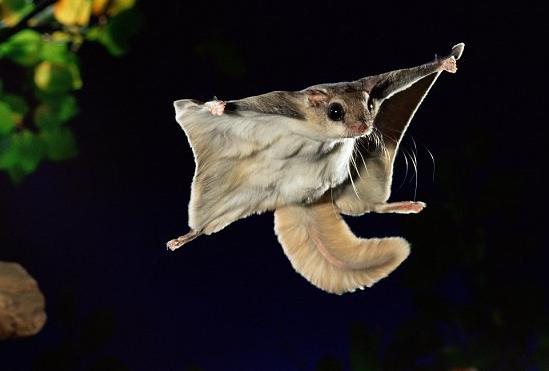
x,y
92,230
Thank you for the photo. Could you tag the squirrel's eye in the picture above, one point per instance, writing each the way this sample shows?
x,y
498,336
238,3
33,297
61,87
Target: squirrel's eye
x,y
336,112
370,105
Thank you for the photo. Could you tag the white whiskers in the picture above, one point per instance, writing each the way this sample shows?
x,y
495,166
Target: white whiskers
x,y
352,181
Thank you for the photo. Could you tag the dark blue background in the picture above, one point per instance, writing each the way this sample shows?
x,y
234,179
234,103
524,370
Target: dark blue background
x,y
92,230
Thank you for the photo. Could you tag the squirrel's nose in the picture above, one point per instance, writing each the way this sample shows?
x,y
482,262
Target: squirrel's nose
x,y
359,127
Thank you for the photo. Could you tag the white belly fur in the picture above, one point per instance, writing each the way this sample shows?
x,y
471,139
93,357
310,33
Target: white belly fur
x,y
254,164
306,176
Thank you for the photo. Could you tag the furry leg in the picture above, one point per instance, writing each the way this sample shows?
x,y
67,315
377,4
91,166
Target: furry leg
x,y
180,241
404,207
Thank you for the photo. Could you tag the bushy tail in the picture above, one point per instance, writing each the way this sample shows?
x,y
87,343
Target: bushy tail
x,y
322,248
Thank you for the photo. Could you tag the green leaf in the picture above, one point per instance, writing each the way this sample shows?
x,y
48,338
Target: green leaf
x,y
21,153
6,152
57,78
55,111
56,52
60,143
6,119
18,106
16,103
118,33
31,150
15,5
23,48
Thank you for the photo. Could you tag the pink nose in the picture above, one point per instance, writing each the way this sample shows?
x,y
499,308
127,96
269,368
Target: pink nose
x,y
359,128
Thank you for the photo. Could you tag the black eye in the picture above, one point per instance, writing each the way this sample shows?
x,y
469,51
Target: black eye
x,y
370,105
336,112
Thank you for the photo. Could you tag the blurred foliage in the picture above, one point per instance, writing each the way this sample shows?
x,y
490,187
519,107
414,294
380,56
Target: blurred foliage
x,y
39,42
84,341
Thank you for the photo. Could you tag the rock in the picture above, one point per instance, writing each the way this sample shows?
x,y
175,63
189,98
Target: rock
x,y
21,303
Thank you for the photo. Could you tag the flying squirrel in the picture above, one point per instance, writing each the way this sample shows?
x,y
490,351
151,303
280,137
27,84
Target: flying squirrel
x,y
310,156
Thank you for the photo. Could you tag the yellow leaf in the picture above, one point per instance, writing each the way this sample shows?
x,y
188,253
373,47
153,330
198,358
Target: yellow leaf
x,y
8,17
98,7
115,7
42,75
73,12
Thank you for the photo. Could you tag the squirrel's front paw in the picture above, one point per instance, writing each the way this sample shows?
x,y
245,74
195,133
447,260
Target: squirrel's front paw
x,y
448,64
216,107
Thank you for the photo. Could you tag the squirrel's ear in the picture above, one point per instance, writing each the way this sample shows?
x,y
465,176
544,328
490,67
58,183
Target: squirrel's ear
x,y
367,84
316,97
